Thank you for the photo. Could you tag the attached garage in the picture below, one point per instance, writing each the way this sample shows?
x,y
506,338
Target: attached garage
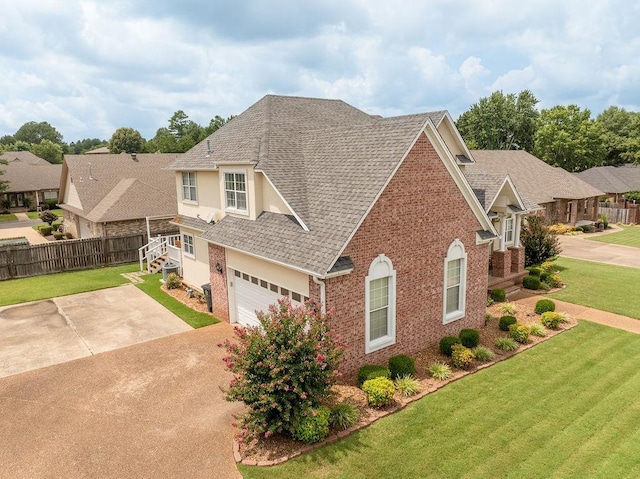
x,y
254,294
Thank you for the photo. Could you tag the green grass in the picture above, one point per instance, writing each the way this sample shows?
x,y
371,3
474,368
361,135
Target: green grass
x,y
22,290
34,215
195,319
9,217
547,412
600,286
629,236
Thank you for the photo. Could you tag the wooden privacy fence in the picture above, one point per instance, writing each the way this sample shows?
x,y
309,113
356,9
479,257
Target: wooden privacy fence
x,y
615,214
70,255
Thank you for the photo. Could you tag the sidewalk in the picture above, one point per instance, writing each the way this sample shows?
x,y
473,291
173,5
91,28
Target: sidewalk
x,y
583,312
22,216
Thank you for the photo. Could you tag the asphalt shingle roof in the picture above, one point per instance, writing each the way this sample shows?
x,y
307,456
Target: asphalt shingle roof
x,y
613,179
533,177
486,187
28,172
117,187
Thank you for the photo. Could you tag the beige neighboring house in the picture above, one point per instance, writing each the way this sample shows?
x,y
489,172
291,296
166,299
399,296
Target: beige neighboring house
x,y
615,181
103,150
113,195
564,197
32,181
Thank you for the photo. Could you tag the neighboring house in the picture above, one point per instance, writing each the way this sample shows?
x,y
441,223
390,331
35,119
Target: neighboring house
x,y
114,195
369,216
103,150
564,197
32,180
615,181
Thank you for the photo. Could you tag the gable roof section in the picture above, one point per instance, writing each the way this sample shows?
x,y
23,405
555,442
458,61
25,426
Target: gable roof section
x,y
613,179
27,172
487,187
117,187
534,178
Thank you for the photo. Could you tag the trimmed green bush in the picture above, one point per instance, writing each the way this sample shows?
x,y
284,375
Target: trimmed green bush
x,y
469,338
505,322
313,427
401,365
552,319
545,305
57,235
440,371
535,271
519,332
372,371
461,356
379,391
68,235
483,354
498,295
407,385
506,344
446,343
173,281
531,282
45,230
343,416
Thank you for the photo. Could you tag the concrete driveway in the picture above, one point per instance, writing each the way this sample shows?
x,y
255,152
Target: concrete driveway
x,y
42,333
152,410
16,229
579,247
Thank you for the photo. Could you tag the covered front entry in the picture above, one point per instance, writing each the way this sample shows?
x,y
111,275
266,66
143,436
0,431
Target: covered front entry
x,y
254,294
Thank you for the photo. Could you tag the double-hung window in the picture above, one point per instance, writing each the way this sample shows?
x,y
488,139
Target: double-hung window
x,y
508,230
380,321
188,244
455,282
189,186
235,189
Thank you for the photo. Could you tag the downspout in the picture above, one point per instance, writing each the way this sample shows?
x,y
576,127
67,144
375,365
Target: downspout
x,y
323,306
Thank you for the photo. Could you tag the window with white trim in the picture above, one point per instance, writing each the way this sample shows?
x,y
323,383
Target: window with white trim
x,y
50,195
508,229
455,282
380,304
189,186
235,190
188,244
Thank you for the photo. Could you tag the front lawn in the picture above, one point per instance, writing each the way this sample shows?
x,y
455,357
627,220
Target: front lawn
x,y
564,409
629,236
8,217
22,290
153,288
601,286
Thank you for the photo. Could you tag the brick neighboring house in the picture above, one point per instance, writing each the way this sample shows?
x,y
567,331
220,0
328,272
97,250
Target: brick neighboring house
x,y
32,181
564,197
312,198
615,181
113,195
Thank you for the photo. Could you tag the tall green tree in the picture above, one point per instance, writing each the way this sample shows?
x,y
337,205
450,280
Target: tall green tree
x,y
50,151
33,132
126,140
3,184
501,122
621,135
569,138
82,146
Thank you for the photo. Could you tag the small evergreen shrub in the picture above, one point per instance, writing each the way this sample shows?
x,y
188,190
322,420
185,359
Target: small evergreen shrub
x,y
519,332
343,416
462,357
531,282
469,338
68,235
490,302
401,365
45,230
538,329
313,427
488,317
554,280
440,371
372,371
379,391
506,344
549,267
498,295
508,309
505,322
173,281
534,271
57,235
551,319
407,385
483,354
545,305
545,277
446,343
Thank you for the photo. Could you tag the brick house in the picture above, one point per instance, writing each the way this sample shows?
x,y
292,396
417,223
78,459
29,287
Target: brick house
x,y
32,181
315,199
113,195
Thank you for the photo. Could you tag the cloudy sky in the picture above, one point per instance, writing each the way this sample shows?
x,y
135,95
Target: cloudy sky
x,y
89,67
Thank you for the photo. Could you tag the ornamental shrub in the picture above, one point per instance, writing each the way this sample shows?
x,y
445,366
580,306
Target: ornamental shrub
x,y
469,338
531,282
401,365
440,371
446,343
498,295
313,427
508,308
552,319
545,305
343,416
505,322
372,371
519,332
57,235
506,344
407,385
48,217
538,329
539,244
379,391
173,281
549,267
45,230
533,271
282,369
483,354
461,356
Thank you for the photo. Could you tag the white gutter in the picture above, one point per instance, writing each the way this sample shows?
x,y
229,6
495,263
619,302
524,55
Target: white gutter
x,y
323,306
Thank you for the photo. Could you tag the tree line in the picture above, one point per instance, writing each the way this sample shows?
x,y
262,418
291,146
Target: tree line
x,y
564,136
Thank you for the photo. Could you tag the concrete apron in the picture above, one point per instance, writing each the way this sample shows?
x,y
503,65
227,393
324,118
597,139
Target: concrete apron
x,y
43,333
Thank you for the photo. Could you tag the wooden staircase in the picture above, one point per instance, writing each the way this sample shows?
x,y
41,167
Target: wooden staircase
x,y
156,265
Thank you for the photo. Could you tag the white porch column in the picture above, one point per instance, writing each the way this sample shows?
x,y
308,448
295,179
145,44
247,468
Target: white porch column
x,y
516,231
503,226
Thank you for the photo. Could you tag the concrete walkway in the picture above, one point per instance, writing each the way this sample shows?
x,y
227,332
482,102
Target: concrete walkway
x,y
579,247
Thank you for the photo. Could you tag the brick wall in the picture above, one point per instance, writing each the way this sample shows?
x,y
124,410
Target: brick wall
x,y
129,227
517,259
501,263
413,223
219,292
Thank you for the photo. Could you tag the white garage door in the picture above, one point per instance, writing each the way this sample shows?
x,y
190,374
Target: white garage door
x,y
254,294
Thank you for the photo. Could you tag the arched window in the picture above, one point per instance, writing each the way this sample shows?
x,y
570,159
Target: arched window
x,y
455,282
380,305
